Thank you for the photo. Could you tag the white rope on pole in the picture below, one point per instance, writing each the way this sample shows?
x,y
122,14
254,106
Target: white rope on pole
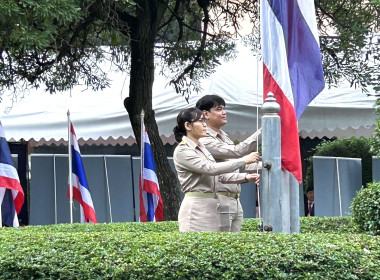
x,y
257,100
339,193
108,187
70,166
55,191
142,151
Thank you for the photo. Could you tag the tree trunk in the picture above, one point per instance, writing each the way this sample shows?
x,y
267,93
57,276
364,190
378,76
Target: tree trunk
x,y
143,34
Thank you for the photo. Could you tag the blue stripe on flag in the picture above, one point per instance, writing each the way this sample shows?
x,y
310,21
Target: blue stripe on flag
x,y
150,210
5,154
78,168
148,158
303,54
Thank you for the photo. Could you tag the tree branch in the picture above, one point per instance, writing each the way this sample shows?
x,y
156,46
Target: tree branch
x,y
198,58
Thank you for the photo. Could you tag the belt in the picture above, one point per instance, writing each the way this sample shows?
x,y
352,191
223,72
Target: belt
x,y
200,194
229,194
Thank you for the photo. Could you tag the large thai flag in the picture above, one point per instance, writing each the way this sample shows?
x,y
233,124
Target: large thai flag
x,y
11,192
81,191
292,68
151,206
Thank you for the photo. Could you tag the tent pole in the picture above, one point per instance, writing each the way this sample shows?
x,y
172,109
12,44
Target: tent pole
x,y
108,187
55,191
339,193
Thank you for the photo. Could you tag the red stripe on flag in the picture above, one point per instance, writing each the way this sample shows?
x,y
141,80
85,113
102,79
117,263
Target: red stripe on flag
x,y
290,147
13,184
143,217
151,187
88,211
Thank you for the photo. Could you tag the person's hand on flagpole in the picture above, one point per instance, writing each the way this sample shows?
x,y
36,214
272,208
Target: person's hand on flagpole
x,y
252,158
253,178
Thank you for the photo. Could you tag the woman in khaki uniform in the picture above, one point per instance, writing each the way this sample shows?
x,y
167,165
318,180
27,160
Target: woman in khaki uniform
x,y
197,173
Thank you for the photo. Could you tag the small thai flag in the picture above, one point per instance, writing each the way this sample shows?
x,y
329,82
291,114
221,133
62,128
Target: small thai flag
x,y
151,206
81,191
11,193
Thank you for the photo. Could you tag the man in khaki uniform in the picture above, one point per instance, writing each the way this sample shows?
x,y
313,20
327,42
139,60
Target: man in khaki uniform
x,y
222,148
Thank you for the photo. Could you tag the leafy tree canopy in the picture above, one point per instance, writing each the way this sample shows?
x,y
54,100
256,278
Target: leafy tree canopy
x,y
57,42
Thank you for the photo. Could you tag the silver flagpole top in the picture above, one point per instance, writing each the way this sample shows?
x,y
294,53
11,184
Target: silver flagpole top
x,y
270,106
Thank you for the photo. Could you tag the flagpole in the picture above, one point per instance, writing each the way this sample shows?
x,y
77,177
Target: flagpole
x,y
70,167
2,192
142,150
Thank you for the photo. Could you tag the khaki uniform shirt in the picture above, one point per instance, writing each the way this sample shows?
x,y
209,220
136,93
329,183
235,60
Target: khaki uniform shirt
x,y
223,149
197,170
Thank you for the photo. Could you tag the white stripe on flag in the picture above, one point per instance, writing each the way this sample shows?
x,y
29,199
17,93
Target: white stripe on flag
x,y
2,192
308,12
146,138
2,134
273,51
86,196
151,176
15,220
9,171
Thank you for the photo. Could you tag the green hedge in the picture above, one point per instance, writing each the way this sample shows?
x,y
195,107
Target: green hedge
x,y
159,251
366,209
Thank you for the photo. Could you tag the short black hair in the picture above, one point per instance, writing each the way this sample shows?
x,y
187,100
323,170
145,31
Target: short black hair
x,y
309,189
210,101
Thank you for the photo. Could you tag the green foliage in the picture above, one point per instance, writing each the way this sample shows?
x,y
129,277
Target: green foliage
x,y
355,25
343,147
366,209
34,33
45,42
335,225
33,24
159,251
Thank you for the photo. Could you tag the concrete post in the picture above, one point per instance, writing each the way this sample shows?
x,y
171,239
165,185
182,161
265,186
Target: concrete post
x,y
270,186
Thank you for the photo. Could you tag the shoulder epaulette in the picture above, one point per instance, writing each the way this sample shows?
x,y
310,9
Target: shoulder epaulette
x,y
182,142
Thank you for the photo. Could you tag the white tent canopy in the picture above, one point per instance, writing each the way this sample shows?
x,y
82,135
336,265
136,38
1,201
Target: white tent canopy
x,y
100,117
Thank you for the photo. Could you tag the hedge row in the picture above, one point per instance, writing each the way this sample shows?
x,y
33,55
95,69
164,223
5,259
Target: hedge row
x,y
308,225
159,251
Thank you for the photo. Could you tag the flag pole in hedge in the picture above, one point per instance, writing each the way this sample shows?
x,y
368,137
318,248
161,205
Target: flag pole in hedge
x,y
70,167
